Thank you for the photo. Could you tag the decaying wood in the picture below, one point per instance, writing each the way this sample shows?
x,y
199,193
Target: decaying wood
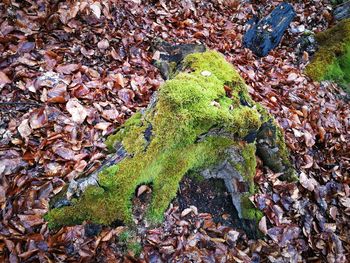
x,y
225,169
264,35
342,11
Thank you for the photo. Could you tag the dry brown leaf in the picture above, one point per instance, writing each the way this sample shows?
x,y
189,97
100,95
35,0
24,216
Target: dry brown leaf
x,y
78,112
24,129
4,79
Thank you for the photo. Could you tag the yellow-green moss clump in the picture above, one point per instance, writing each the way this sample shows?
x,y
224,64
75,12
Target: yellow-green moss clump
x,y
332,60
188,106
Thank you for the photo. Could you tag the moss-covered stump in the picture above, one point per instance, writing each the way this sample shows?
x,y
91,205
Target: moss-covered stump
x,y
332,60
202,120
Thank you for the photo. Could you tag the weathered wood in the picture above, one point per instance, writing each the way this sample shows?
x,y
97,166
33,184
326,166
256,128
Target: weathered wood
x,y
168,57
342,11
192,124
266,34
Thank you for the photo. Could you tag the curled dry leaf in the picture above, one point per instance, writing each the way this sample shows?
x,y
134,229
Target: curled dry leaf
x,y
232,236
143,189
186,211
309,161
333,211
345,201
11,165
309,139
110,114
119,80
31,220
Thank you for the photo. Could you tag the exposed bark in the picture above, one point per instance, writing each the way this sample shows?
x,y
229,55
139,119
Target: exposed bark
x,y
168,57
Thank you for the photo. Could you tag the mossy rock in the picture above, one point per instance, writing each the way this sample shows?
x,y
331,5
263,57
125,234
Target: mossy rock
x,y
191,125
332,60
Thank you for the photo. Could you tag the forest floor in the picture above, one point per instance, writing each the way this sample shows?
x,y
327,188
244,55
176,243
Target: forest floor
x,y
71,72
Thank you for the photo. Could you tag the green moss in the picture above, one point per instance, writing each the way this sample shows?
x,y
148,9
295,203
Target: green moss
x,y
338,2
196,176
290,174
249,211
128,239
248,167
188,106
135,248
332,60
131,124
125,236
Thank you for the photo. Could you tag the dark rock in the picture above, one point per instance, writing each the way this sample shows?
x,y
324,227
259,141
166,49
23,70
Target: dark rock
x,y
266,34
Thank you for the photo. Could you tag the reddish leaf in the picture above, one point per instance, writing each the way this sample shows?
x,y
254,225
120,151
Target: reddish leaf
x,y
68,68
3,78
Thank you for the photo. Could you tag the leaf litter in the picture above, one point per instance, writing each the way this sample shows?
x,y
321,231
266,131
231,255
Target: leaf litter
x,y
71,72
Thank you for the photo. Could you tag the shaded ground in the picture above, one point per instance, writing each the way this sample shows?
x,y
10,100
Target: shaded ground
x,y
71,72
210,196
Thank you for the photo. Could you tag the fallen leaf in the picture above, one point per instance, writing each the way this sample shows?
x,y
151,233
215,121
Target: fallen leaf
x,y
24,129
307,183
68,68
103,44
96,9
4,79
38,118
186,211
64,152
142,189
102,125
262,225
119,80
292,76
77,111
333,211
309,140
126,95
57,95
